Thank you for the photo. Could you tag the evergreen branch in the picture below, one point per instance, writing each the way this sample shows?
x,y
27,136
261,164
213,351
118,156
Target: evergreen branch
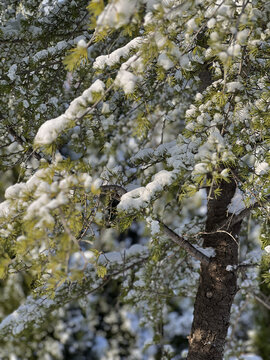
x,y
183,243
20,140
34,312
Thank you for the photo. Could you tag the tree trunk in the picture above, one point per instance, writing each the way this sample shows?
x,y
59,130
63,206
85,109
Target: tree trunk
x,y
217,286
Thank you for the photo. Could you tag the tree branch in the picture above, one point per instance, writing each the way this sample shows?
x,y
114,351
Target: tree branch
x,y
262,299
19,139
34,312
183,243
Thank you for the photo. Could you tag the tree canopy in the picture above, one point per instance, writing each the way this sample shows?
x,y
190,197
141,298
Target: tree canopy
x,y
150,115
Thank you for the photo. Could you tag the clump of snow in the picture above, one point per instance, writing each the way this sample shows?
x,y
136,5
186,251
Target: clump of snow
x,y
140,197
154,226
160,39
5,209
234,85
242,36
211,23
115,257
164,61
126,80
234,50
237,203
82,44
117,13
12,192
250,357
201,168
136,250
51,129
12,72
267,249
116,55
262,168
231,267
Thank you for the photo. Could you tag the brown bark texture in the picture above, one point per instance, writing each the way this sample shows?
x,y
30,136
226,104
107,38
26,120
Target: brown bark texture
x,y
217,286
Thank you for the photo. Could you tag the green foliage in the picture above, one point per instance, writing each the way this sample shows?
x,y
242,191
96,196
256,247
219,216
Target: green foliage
x,y
142,126
75,58
190,112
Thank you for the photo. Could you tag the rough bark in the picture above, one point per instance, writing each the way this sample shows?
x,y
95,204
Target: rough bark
x,y
217,286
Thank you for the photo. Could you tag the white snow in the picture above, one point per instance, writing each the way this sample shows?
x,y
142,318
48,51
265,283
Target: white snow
x,y
12,72
154,226
160,39
117,13
5,209
234,85
231,267
237,203
242,36
126,80
234,50
250,357
267,249
211,23
51,129
140,197
119,257
164,61
262,168
82,44
12,192
115,56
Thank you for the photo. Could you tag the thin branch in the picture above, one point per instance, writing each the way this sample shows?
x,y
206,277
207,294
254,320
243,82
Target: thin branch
x,y
117,189
264,301
20,140
185,244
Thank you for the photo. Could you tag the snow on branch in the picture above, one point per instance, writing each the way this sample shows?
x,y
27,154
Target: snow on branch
x,y
34,311
51,129
115,57
183,243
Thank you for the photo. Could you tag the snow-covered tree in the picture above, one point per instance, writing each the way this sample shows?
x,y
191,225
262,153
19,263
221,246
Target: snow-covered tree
x,y
149,115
